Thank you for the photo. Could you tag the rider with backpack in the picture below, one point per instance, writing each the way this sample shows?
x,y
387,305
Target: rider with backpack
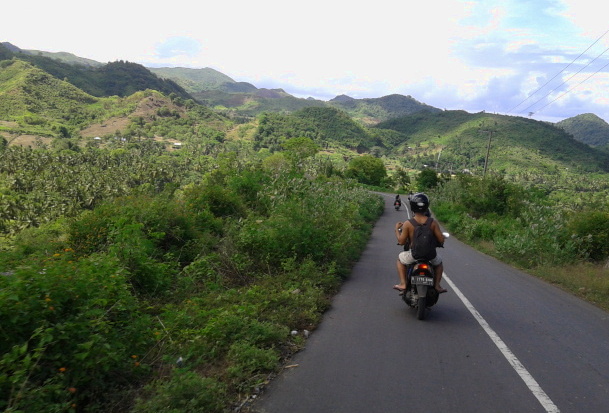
x,y
422,235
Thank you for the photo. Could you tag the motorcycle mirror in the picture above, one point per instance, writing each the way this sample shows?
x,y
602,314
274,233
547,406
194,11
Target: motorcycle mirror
x,y
446,234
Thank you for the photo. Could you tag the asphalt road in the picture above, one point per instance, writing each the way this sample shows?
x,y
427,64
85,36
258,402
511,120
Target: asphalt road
x,y
498,341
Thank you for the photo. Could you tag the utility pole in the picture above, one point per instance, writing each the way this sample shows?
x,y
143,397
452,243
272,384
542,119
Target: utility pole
x,y
488,149
438,160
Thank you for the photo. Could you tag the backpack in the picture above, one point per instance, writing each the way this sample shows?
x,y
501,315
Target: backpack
x,y
423,244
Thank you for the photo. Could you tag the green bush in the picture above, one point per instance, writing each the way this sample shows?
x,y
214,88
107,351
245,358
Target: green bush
x,y
69,326
152,236
48,238
591,230
220,201
329,224
367,170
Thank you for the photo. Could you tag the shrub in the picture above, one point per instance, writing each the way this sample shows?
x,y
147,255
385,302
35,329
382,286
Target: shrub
x,y
220,201
152,237
367,170
591,229
330,223
535,239
69,328
40,241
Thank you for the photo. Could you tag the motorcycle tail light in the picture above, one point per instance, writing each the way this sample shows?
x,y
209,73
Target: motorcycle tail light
x,y
423,266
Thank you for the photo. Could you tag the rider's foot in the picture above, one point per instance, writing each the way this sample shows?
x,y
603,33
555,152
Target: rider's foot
x,y
399,287
441,290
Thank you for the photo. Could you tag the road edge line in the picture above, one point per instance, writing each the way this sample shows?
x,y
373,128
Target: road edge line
x,y
524,374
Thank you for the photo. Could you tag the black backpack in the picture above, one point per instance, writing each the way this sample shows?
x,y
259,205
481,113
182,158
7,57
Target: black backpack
x,y
423,244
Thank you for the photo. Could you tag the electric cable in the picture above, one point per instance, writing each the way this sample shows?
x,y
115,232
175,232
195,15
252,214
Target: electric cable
x,y
557,74
574,87
572,76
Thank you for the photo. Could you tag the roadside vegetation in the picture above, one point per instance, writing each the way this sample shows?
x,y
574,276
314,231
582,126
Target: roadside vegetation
x,y
183,296
561,235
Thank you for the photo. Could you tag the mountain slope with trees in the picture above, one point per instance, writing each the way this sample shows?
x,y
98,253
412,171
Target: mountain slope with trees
x,y
33,102
113,79
193,80
213,89
39,103
460,141
374,110
326,126
587,128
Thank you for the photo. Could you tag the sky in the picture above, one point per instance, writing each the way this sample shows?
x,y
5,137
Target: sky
x,y
543,59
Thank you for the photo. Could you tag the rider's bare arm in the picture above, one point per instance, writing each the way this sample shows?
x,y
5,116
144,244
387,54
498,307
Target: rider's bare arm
x,y
437,232
404,235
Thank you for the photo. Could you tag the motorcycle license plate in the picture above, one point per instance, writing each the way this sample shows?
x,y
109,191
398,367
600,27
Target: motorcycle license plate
x,y
422,280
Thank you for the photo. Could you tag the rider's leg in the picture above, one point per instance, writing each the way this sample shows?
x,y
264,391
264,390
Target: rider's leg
x,y
402,274
438,271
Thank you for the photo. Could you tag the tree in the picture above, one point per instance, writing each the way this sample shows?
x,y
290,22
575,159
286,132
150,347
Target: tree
x,y
367,170
427,179
401,177
299,149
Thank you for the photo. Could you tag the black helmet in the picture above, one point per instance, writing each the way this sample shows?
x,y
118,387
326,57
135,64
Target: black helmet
x,y
419,202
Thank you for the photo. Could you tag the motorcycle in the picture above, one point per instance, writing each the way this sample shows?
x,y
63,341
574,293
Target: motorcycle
x,y
420,293
397,205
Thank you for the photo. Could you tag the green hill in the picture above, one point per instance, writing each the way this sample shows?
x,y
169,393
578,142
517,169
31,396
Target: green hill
x,y
459,140
38,102
64,57
35,103
113,79
587,128
325,125
374,110
255,103
215,89
193,80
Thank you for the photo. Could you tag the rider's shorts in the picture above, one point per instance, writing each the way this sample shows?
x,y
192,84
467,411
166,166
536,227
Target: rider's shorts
x,y
406,258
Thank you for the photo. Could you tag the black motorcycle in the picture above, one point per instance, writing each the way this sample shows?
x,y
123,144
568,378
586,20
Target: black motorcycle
x,y
420,293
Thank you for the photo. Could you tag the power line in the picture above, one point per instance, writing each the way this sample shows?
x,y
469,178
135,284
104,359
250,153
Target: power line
x,y
557,74
578,72
574,87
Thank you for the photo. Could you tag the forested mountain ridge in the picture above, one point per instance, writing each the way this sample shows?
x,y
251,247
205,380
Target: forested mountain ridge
x,y
374,110
35,104
587,128
424,135
113,79
64,57
209,88
193,80
39,102
460,139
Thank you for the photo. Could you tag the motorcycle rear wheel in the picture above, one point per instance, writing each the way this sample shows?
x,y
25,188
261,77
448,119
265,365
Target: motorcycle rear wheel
x,y
421,306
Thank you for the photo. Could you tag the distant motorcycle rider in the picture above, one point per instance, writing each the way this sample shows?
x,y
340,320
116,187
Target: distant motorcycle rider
x,y
419,205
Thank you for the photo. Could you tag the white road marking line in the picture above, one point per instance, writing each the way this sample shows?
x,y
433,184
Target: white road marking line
x,y
537,391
